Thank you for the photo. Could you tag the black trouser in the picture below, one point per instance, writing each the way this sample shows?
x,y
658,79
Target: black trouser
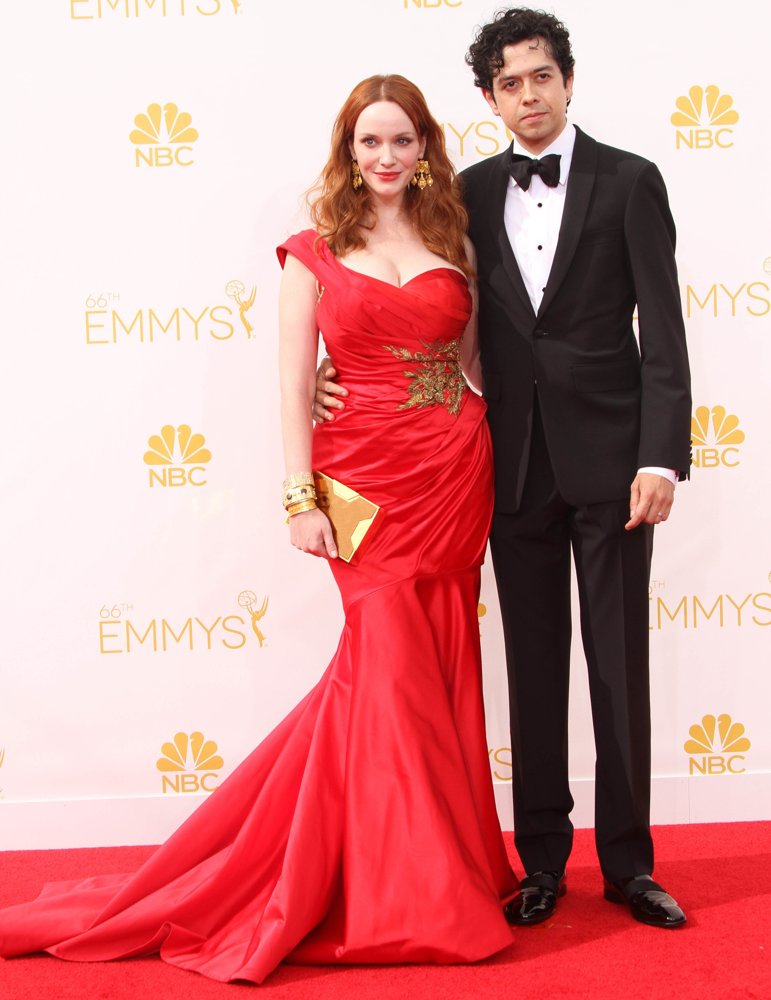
x,y
531,555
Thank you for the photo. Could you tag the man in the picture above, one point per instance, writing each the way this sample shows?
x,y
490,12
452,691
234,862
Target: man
x,y
589,434
588,440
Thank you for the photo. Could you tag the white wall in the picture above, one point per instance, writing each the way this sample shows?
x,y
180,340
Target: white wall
x,y
97,556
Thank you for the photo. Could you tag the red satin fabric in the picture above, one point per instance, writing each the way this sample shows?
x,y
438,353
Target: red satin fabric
x,y
363,829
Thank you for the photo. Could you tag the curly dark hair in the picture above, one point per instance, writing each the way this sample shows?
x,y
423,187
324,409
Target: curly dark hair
x,y
485,55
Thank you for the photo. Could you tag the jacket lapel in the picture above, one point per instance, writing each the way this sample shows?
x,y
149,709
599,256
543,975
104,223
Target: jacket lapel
x,y
497,201
583,171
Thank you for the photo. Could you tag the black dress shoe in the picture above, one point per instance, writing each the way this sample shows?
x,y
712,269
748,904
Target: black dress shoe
x,y
649,903
536,900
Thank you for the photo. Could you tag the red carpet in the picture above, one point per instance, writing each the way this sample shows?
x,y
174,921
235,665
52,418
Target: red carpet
x,y
720,874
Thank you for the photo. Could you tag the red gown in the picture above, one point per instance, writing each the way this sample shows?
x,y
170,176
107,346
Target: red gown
x,y
363,828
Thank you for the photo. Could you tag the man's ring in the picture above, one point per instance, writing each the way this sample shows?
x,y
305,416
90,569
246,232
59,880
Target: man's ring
x,y
660,514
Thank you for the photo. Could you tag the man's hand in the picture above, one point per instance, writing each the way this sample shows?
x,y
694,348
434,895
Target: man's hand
x,y
650,500
328,393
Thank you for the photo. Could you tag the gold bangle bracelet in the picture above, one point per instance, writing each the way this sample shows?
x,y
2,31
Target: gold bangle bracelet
x,y
297,479
299,508
296,494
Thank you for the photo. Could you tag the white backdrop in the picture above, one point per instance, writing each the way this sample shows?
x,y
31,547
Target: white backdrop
x,y
149,592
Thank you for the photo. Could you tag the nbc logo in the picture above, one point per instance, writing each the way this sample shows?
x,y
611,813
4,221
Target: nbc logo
x,y
187,468
189,764
714,435
705,113
431,4
163,136
716,746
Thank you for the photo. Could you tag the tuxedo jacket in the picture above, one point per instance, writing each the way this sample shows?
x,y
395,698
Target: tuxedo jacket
x,y
608,406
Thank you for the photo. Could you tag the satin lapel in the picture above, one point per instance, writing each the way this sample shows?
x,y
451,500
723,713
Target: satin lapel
x,y
499,186
581,180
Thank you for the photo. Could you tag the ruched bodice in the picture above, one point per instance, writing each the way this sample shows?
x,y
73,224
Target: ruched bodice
x,y
412,434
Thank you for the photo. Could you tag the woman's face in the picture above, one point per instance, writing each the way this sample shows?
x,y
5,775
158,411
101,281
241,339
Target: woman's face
x,y
387,148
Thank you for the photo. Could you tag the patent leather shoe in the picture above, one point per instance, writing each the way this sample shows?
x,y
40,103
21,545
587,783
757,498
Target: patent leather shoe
x,y
536,900
647,900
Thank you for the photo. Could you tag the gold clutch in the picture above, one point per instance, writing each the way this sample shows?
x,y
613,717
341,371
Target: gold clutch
x,y
352,515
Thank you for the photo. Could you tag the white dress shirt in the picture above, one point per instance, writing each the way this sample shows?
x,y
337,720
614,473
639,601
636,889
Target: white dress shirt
x,y
533,218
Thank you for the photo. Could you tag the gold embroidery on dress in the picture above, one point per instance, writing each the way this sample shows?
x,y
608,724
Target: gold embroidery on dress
x,y
438,381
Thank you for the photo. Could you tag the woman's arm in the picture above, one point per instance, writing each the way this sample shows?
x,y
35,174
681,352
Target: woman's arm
x,y
310,530
469,345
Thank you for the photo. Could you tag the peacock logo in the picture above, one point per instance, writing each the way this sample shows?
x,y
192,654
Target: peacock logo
x,y
180,454
716,746
705,106
706,115
164,136
189,764
715,436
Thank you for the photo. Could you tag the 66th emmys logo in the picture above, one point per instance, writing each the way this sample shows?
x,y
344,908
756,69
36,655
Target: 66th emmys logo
x,y
109,321
719,300
741,609
121,630
717,746
715,435
96,10
163,136
705,114
236,291
180,454
500,763
189,764
471,139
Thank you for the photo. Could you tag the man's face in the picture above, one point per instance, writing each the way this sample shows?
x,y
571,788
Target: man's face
x,y
530,95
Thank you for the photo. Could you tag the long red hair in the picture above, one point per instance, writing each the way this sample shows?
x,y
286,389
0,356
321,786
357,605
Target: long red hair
x,y
343,216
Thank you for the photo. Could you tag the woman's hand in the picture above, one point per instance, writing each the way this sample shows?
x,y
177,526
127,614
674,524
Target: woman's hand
x,y
311,532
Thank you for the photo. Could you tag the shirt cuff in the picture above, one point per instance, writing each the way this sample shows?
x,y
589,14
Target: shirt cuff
x,y
670,474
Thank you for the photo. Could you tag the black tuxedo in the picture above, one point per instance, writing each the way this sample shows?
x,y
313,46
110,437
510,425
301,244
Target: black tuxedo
x,y
575,408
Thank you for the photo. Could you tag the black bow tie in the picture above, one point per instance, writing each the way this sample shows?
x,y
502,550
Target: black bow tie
x,y
522,169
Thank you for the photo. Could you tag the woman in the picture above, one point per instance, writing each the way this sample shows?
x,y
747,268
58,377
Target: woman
x,y
363,829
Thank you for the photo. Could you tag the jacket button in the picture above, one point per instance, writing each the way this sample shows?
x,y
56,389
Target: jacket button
x,y
541,333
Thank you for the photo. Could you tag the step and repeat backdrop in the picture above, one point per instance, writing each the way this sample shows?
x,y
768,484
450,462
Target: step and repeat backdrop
x,y
156,623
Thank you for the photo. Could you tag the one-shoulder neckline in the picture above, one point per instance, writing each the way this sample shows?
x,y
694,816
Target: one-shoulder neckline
x,y
390,284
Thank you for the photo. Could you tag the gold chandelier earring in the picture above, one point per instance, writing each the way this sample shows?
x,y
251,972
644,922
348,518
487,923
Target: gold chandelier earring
x,y
422,178
356,180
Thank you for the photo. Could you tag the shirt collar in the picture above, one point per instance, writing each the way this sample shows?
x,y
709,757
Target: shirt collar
x,y
562,145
